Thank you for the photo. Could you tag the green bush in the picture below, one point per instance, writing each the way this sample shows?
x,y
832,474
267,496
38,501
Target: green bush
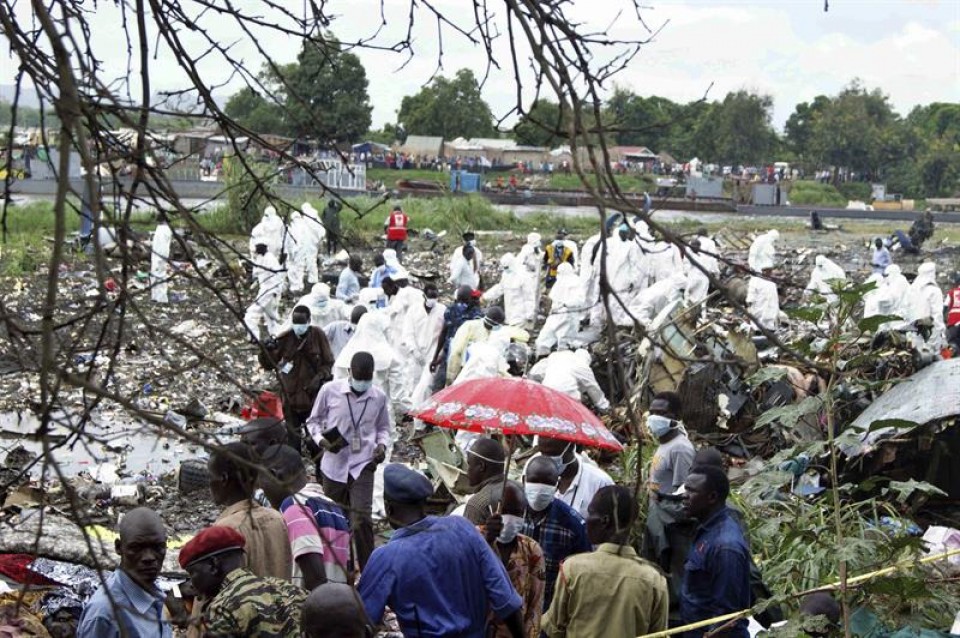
x,y
816,194
856,190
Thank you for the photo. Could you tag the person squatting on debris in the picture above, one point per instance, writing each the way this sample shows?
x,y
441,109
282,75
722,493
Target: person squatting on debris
x,y
350,421
317,531
437,574
268,275
881,258
395,228
610,592
302,359
129,604
159,260
825,272
924,305
241,603
569,372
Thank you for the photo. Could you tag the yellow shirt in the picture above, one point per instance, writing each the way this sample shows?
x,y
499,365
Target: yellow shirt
x,y
609,593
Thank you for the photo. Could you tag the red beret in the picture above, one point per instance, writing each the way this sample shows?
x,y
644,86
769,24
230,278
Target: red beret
x,y
212,540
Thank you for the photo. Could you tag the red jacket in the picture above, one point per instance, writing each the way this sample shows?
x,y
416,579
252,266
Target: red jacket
x,y
397,226
953,307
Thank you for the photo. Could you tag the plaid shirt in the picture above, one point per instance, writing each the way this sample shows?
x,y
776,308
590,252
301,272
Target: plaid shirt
x,y
561,533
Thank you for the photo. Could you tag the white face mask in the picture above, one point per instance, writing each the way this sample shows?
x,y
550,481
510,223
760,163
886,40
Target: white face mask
x,y
512,525
539,495
558,460
361,386
658,425
300,329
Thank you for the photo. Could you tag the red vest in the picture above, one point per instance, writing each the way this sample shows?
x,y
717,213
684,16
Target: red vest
x,y
953,305
397,226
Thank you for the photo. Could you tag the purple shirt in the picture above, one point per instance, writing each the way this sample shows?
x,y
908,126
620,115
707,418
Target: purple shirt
x,y
363,422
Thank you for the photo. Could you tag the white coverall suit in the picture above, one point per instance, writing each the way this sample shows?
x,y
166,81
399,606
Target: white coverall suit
x,y
925,302
513,288
569,372
159,256
266,307
269,231
763,251
561,327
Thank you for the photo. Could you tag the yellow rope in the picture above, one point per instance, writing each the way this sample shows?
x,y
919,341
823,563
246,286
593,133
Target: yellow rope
x,y
850,581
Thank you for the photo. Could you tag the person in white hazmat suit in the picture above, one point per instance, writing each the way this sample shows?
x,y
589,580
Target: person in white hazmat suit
x,y
530,258
295,247
484,359
324,310
159,258
513,289
465,267
627,271
925,304
312,242
270,231
421,328
265,308
895,287
823,274
664,261
763,252
563,323
763,301
873,300
651,300
371,336
568,372
589,265
702,251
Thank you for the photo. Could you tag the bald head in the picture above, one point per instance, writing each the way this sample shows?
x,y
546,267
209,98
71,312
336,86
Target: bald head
x,y
141,520
333,610
543,470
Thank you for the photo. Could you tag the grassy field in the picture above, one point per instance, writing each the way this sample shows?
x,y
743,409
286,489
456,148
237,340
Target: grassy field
x,y
389,177
27,243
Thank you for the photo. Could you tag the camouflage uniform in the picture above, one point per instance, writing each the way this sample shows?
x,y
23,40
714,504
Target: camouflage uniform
x,y
248,605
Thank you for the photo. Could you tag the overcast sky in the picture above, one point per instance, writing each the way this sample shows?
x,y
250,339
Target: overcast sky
x,y
790,49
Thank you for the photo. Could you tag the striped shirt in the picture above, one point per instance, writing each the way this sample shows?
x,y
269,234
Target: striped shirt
x,y
317,525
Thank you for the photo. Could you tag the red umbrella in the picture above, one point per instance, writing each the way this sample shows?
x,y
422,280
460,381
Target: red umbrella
x,y
516,406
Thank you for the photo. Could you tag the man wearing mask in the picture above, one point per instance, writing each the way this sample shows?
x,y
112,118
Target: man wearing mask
x,y
555,526
556,253
668,529
303,361
520,554
350,420
580,478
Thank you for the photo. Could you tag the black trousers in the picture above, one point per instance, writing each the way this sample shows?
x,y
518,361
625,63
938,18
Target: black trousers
x,y
356,497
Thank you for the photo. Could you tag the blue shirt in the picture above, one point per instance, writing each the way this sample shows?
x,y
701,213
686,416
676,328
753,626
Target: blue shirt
x,y
440,577
881,259
561,533
348,285
716,576
140,612
455,316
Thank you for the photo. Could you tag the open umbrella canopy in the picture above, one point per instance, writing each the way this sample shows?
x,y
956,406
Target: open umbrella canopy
x,y
516,406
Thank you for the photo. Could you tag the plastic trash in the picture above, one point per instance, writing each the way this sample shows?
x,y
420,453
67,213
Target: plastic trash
x,y
128,495
175,418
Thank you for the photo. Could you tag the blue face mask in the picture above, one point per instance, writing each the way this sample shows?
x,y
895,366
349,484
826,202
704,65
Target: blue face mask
x,y
659,425
300,329
361,386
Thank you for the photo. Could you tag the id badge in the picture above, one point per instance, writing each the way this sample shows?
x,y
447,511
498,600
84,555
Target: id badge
x,y
355,444
286,368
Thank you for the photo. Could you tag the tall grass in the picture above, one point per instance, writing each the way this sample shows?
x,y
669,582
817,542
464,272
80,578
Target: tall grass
x,y
816,194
